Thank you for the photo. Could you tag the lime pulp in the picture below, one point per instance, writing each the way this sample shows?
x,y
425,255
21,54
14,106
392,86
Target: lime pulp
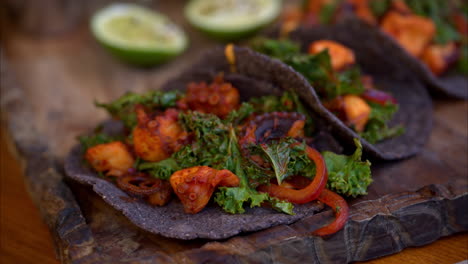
x,y
231,19
138,35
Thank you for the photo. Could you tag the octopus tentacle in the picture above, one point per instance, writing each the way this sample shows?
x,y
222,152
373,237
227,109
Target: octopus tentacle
x,y
194,186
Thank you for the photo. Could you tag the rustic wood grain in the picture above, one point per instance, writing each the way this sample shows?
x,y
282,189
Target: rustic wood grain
x,y
48,87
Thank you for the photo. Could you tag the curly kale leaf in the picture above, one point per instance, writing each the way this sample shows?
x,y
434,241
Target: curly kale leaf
x,y
278,155
350,82
348,175
377,128
281,206
316,69
279,49
123,107
233,199
300,164
161,169
211,136
269,103
286,156
236,117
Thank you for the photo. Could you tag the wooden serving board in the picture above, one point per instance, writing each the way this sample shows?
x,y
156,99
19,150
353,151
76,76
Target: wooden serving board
x,y
48,88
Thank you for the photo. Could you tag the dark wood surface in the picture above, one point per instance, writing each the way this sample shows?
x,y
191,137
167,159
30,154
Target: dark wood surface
x,y
48,86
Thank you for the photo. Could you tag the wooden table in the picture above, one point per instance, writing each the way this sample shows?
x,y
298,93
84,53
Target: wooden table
x,y
24,238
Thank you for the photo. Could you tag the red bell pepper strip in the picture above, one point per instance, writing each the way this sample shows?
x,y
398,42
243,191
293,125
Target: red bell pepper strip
x,y
339,206
379,97
310,192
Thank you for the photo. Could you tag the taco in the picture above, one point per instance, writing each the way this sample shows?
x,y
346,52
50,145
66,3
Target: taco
x,y
230,146
394,120
433,35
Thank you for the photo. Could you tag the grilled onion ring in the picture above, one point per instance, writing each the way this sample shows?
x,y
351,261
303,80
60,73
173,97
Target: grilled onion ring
x,y
140,184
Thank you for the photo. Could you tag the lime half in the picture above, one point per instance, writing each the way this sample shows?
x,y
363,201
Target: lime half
x,y
231,19
138,35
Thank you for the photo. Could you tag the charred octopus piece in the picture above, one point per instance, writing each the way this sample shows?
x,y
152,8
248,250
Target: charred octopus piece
x,y
114,158
340,55
157,138
218,97
194,186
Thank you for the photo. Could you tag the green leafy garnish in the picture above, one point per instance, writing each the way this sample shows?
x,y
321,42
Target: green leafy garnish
x,y
278,155
211,141
348,175
279,49
350,82
281,206
233,199
162,169
377,128
236,117
288,157
316,69
123,107
299,163
272,103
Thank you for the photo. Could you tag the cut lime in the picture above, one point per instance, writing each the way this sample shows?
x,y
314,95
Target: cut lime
x,y
138,35
231,19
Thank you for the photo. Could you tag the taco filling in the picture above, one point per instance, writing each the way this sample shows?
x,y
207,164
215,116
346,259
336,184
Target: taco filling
x,y
435,32
206,145
331,69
